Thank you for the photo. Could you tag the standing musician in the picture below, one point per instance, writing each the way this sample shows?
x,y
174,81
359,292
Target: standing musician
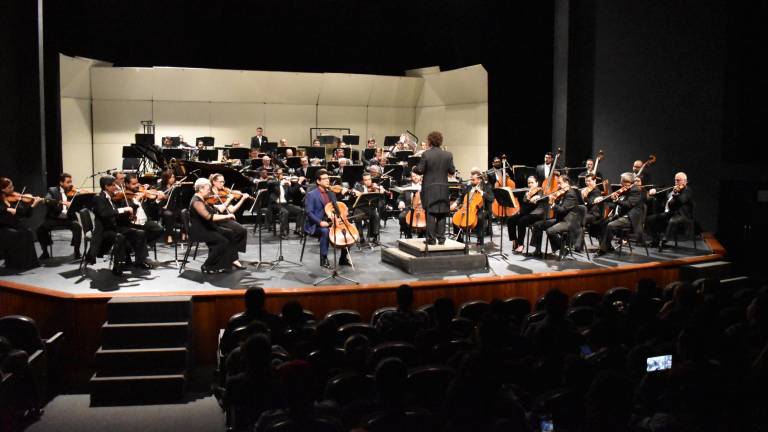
x,y
543,170
566,217
645,176
629,208
113,227
678,211
258,139
478,185
17,242
590,170
405,203
57,216
532,210
283,196
372,214
171,204
593,220
216,230
140,204
315,223
435,167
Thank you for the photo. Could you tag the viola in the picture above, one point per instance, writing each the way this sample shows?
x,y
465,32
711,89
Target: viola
x,y
505,182
416,217
341,233
466,216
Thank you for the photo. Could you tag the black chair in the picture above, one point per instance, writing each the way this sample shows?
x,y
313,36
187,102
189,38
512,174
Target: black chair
x,y
474,310
85,221
408,421
354,328
624,236
190,241
343,316
520,307
462,327
444,351
540,304
429,385
22,332
534,318
581,316
350,387
378,313
402,350
586,298
617,294
429,311
318,424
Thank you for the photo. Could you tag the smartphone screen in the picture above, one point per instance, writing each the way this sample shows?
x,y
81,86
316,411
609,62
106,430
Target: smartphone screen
x,y
547,426
658,363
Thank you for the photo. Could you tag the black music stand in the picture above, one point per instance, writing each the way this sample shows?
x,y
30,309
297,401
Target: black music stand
x,y
391,140
352,174
504,197
241,153
369,153
350,139
315,152
282,150
370,200
80,201
403,155
144,140
326,139
207,155
257,205
293,162
312,173
173,153
269,147
395,171
207,141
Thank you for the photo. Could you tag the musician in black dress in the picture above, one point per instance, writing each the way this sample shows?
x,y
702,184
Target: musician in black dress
x,y
405,203
484,215
677,214
629,212
593,220
532,210
217,230
171,205
370,213
229,227
17,242
57,216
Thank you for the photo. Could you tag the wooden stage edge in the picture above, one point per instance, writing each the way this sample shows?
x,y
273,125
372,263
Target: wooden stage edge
x,y
80,316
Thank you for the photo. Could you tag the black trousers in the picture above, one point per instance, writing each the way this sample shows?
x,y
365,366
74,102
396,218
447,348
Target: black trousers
x,y
124,237
17,245
169,217
520,224
152,230
404,227
48,225
666,223
594,225
285,211
371,214
436,227
538,229
555,232
611,228
479,229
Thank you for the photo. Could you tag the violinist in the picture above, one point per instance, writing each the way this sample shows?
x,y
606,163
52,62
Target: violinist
x,y
564,203
343,162
223,236
266,163
478,185
593,220
629,207
57,216
677,214
301,172
532,210
17,244
119,180
283,198
229,227
141,200
113,227
315,224
171,204
404,203
372,214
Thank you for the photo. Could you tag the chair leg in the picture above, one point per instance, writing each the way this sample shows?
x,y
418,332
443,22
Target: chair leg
x,y
197,245
303,245
154,248
186,257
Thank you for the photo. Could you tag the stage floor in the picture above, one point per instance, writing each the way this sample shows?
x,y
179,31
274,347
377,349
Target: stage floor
x,y
61,272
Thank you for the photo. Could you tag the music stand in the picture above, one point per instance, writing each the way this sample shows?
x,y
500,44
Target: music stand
x,y
256,204
145,140
281,150
293,162
316,152
207,141
269,147
80,201
173,153
403,155
391,140
326,139
352,174
369,153
370,200
207,155
413,161
312,173
504,197
350,139
395,171
241,153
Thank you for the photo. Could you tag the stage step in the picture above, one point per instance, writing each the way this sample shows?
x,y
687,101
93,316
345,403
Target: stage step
x,y
144,356
124,310
144,361
416,247
472,262
132,390
713,269
148,335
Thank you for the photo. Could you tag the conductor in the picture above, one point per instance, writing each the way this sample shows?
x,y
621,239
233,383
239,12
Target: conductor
x,y
435,166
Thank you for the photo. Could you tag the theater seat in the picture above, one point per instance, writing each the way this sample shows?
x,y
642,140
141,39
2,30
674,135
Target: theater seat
x,y
404,351
473,310
586,298
343,316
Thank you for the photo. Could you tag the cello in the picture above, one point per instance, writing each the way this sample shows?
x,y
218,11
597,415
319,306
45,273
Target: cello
x,y
416,217
341,233
506,183
466,216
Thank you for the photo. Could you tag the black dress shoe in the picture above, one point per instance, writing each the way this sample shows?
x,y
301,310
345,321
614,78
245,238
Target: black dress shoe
x,y
117,269
44,255
324,262
90,259
77,254
344,262
430,242
143,265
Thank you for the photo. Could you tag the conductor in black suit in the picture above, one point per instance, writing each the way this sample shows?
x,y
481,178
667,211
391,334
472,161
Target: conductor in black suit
x,y
57,216
435,166
258,139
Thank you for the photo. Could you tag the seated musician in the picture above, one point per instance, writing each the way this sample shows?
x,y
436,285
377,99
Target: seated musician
x,y
225,200
167,143
565,220
422,148
266,163
629,208
593,220
301,172
119,180
532,209
590,170
141,205
17,242
315,224
236,143
57,216
478,184
316,143
677,215
370,213
343,162
229,227
405,202
315,162
283,199
338,154
206,224
113,227
282,143
170,204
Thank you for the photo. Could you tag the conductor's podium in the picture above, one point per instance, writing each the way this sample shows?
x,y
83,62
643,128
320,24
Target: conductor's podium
x,y
413,256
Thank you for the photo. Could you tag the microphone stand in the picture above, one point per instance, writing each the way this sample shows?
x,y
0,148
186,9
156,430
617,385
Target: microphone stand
x,y
280,259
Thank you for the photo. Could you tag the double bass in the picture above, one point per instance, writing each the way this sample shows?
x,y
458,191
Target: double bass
x,y
341,232
551,184
505,182
651,160
466,216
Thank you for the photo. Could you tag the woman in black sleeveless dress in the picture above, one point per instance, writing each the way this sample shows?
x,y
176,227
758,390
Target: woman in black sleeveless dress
x,y
17,242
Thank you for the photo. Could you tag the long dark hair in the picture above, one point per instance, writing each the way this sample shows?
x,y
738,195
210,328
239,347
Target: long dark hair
x,y
4,183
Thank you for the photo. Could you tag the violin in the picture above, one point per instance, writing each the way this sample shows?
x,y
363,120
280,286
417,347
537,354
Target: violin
x,y
416,217
466,216
16,197
341,233
531,193
505,182
557,195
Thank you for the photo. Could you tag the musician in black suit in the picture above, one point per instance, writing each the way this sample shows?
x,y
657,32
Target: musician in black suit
x,y
283,198
108,230
677,214
478,185
171,204
405,203
629,212
593,220
57,216
590,170
142,208
370,213
435,166
566,217
543,170
258,139
645,176
301,172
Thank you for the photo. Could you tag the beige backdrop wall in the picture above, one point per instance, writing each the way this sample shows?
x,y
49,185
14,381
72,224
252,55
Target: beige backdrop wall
x,y
102,107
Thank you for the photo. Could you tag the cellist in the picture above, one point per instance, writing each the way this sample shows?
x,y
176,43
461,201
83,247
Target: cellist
x,y
478,184
405,201
315,225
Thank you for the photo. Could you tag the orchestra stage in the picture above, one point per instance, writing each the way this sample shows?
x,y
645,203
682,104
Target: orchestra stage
x,y
61,274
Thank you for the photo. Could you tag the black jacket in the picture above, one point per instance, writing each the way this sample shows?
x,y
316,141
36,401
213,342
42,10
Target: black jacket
x,y
435,167
255,143
632,204
592,208
564,208
681,203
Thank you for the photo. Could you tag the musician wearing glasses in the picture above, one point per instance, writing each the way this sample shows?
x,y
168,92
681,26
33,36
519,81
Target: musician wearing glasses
x,y
677,214
316,224
477,185
370,213
629,212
